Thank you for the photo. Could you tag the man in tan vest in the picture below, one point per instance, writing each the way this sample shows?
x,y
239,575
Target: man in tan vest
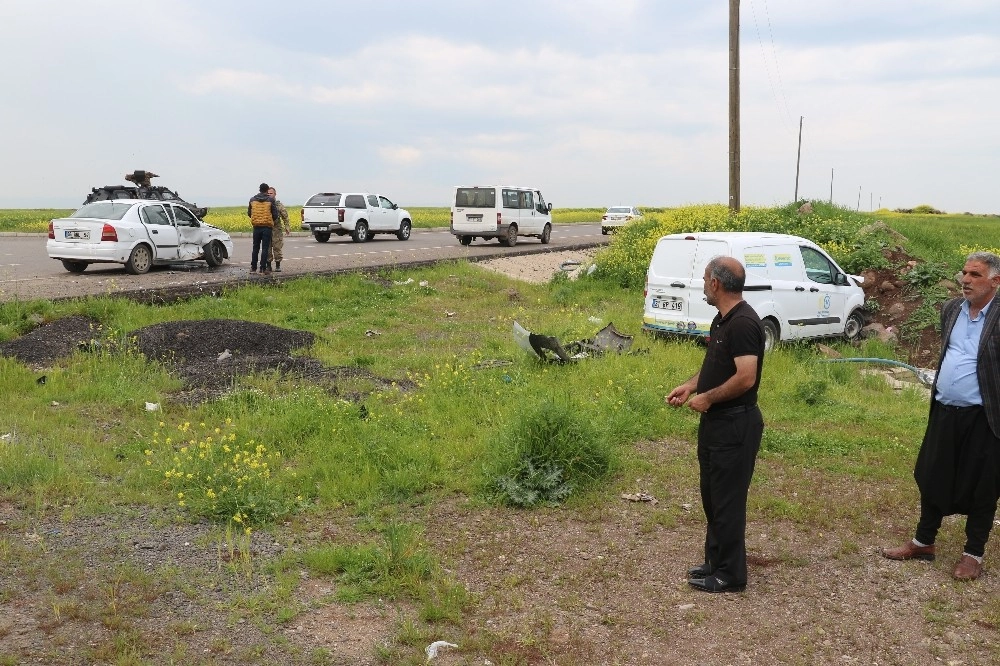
x,y
277,238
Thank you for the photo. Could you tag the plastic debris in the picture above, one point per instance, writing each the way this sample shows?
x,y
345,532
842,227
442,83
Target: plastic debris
x,y
224,355
449,314
152,406
548,348
6,437
424,283
404,282
432,649
371,333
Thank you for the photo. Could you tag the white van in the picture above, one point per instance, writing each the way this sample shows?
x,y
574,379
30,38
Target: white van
x,y
502,212
797,290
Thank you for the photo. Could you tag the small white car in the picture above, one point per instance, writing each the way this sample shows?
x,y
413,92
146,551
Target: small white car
x,y
138,234
617,216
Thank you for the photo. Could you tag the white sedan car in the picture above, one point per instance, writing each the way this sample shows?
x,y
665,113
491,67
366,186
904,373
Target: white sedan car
x,y
139,234
617,216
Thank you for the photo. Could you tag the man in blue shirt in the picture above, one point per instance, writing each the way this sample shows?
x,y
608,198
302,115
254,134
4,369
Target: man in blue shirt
x,y
958,467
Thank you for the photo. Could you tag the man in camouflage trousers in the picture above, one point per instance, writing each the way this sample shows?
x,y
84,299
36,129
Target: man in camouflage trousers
x,y
278,240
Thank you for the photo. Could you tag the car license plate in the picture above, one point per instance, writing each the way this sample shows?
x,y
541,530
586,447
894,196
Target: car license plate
x,y
667,305
78,235
321,228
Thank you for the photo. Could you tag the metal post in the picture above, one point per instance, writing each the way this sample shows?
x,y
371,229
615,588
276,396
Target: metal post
x,y
831,186
734,106
798,160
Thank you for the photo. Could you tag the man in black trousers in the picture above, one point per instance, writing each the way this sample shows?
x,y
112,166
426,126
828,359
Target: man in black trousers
x,y
725,393
958,467
263,214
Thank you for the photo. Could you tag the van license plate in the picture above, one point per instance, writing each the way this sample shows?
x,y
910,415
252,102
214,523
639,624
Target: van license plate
x,y
321,229
474,218
78,235
667,305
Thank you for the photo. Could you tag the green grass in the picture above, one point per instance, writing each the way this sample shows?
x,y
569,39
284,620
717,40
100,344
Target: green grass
x,y
940,238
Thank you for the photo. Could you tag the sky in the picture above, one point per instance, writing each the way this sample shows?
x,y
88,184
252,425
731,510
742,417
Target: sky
x,y
595,103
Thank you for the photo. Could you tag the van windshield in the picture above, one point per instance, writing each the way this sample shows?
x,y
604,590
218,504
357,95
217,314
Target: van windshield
x,y
476,197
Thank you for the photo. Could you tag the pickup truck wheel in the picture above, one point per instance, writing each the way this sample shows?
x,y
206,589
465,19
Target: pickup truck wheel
x,y
74,266
546,234
322,237
140,261
771,334
465,240
510,239
404,230
215,254
360,234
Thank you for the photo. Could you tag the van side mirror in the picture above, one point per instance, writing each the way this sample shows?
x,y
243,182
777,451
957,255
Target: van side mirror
x,y
549,207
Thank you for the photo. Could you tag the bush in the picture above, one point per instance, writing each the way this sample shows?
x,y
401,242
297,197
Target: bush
x,y
549,451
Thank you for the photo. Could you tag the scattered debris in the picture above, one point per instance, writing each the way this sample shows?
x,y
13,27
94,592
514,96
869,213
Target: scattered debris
x,y
491,363
548,348
404,282
449,314
41,380
424,283
371,333
224,355
432,649
639,497
152,406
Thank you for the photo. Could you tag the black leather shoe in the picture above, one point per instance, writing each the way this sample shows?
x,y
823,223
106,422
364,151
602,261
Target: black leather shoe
x,y
700,571
715,584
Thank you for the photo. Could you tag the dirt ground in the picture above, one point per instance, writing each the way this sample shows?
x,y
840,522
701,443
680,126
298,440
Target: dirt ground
x,y
555,586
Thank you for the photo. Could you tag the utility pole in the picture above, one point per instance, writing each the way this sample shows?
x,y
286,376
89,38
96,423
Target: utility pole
x,y
831,185
734,106
859,198
798,160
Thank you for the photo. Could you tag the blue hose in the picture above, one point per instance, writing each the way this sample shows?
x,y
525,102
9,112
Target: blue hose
x,y
925,377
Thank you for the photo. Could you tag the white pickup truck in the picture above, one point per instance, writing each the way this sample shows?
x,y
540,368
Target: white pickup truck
x,y
359,214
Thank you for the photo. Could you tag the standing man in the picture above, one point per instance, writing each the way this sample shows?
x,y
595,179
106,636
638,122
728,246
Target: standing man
x,y
958,467
731,425
263,214
277,239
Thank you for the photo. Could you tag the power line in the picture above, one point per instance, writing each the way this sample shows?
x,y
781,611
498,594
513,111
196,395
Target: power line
x,y
774,52
767,66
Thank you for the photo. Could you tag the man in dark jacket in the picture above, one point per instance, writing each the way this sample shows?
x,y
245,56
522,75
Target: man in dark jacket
x,y
958,467
263,215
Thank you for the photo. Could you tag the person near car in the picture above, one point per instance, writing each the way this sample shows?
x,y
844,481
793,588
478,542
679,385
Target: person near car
x,y
263,214
958,466
724,392
277,238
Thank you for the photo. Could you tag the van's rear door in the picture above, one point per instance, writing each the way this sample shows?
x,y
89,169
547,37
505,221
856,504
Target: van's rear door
x,y
675,284
475,210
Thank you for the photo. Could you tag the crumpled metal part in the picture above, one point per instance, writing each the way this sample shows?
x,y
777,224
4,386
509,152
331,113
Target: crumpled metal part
x,y
548,347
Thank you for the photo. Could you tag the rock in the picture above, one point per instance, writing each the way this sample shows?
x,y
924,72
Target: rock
x,y
805,208
896,310
829,352
887,287
899,283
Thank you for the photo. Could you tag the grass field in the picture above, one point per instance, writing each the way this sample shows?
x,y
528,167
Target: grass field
x,y
234,218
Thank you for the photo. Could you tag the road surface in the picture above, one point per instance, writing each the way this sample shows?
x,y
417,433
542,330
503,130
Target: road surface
x,y
27,273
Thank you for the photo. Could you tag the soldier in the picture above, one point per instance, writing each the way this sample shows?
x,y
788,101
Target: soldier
x,y
278,240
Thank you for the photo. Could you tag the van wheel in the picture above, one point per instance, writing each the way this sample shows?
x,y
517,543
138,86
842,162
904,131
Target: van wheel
x,y
322,237
855,322
772,335
604,231
546,234
465,240
510,239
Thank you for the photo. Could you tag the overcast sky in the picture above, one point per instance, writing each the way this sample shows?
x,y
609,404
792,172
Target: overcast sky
x,y
594,102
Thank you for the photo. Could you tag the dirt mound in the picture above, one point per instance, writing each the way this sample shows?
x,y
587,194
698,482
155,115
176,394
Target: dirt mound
x,y
191,341
49,342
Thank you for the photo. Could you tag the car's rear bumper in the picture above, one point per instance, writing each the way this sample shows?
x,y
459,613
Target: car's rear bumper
x,y
93,252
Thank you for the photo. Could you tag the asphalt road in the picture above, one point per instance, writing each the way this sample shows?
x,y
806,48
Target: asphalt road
x,y
27,273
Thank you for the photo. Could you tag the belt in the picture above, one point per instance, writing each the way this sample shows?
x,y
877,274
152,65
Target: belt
x,y
729,411
957,408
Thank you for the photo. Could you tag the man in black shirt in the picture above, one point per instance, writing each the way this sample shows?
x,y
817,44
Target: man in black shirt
x,y
725,394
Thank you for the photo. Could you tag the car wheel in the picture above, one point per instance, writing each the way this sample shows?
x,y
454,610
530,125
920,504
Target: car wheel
x,y
215,254
604,231
360,233
510,239
546,234
140,260
465,240
74,266
322,237
772,335
404,230
852,329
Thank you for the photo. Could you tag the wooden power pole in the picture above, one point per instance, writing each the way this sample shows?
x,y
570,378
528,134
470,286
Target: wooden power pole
x,y
734,106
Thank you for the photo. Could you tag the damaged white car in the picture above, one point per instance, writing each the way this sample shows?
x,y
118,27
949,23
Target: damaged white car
x,y
138,234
